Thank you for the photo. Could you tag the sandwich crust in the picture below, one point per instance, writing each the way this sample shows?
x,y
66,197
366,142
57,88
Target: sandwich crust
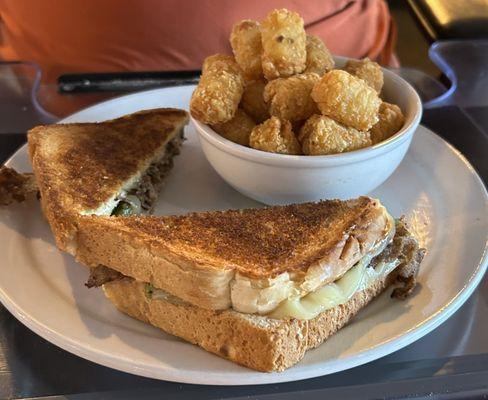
x,y
80,166
197,256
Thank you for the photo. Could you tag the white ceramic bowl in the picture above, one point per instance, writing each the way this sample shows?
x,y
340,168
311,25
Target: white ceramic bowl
x,y
283,179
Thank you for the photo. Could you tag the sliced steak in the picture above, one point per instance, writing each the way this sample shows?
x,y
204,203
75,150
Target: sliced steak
x,y
152,181
15,187
100,275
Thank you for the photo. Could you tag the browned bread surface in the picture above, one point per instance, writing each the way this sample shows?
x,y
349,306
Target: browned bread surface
x,y
260,242
80,166
84,163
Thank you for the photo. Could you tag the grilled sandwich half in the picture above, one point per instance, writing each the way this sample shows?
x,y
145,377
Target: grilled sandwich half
x,y
256,286
114,167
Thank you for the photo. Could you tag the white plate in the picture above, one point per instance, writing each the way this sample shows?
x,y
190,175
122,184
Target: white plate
x,y
435,187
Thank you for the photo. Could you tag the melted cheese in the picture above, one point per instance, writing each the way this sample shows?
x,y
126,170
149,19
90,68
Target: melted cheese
x,y
358,278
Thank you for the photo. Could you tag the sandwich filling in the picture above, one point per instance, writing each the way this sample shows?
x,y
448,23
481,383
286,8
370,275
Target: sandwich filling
x,y
399,254
141,196
358,278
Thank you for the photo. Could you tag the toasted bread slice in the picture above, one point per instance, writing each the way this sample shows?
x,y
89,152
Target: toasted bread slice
x,y
255,341
80,168
248,259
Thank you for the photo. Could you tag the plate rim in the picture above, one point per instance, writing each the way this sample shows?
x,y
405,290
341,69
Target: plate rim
x,y
88,352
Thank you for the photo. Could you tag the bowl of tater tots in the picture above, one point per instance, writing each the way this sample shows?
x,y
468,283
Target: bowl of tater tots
x,y
283,121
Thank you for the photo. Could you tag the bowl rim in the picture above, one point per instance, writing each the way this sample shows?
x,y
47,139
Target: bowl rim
x,y
264,157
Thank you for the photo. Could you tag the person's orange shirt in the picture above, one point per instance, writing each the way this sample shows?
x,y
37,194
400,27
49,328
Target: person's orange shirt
x,y
138,35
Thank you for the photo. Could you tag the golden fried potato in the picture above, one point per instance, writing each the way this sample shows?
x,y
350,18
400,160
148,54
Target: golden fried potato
x,y
238,129
217,96
368,71
289,98
391,121
347,99
252,101
275,136
245,40
319,58
284,44
219,61
322,135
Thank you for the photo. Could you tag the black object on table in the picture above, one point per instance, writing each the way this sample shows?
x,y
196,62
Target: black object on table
x,y
452,19
124,81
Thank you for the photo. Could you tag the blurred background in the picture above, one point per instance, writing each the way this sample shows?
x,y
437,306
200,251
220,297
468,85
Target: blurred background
x,y
90,50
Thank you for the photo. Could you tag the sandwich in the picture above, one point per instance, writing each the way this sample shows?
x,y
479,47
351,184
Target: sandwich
x,y
260,286
114,167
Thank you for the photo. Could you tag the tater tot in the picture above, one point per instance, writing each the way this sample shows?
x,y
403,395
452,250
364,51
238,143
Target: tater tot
x,y
391,120
275,136
252,101
319,58
245,40
217,96
284,44
238,129
217,61
347,99
289,98
322,135
368,71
